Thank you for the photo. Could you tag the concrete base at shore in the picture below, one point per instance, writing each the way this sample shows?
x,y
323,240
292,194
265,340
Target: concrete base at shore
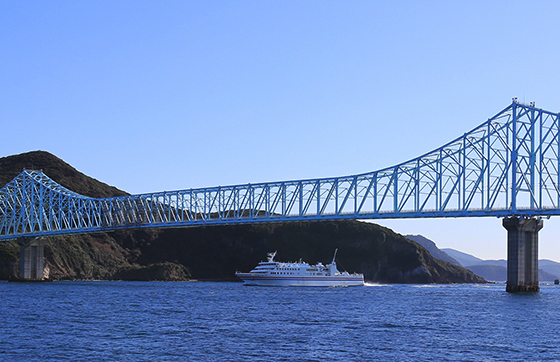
x,y
31,259
522,288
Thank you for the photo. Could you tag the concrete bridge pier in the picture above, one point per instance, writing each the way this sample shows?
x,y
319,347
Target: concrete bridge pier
x,y
523,254
31,259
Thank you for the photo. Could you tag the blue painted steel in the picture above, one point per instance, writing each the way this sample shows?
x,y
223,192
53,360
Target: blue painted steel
x,y
508,166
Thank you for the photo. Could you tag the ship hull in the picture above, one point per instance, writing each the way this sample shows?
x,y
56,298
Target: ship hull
x,y
301,281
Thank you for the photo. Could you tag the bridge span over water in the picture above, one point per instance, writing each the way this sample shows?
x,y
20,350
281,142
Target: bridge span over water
x,y
507,167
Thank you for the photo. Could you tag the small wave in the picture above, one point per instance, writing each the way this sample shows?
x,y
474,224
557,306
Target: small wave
x,y
374,285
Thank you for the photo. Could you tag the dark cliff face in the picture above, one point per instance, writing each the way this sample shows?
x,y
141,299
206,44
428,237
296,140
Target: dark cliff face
x,y
9,258
216,252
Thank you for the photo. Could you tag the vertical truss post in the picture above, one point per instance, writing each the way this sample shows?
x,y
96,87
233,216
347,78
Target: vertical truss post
x,y
284,206
355,195
300,197
337,212
417,187
395,190
268,212
375,201
558,160
318,198
514,160
486,205
463,174
532,159
541,156
439,182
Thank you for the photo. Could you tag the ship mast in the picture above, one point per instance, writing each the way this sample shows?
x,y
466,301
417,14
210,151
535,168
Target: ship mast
x,y
271,256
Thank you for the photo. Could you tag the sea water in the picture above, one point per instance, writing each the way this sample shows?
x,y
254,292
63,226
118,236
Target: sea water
x,y
203,321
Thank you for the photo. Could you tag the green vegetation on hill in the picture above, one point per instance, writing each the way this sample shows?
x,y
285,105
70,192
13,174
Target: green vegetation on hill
x,y
57,170
216,252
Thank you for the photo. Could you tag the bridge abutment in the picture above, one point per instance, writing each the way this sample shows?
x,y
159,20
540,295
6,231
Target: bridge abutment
x,y
31,259
523,253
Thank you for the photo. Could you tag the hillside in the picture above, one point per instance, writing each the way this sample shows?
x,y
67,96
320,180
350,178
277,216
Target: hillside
x,y
56,169
550,266
432,248
463,258
216,252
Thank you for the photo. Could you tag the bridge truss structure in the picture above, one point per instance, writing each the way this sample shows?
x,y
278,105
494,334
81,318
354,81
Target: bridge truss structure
x,y
506,167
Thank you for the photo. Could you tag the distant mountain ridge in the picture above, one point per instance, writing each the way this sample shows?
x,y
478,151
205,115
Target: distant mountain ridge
x,y
463,258
433,249
494,270
550,266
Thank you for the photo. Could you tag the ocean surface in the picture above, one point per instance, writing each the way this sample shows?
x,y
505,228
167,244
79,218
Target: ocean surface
x,y
204,321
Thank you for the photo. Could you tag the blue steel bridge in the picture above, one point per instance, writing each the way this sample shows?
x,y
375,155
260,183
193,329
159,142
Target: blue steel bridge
x,y
507,167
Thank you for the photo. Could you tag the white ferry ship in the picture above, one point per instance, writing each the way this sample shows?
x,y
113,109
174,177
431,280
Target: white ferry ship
x,y
274,273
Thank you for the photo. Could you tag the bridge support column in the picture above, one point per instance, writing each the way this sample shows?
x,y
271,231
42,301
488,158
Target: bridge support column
x,y
31,259
523,254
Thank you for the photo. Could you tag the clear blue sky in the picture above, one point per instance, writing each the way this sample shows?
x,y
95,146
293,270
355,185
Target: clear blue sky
x,y
165,95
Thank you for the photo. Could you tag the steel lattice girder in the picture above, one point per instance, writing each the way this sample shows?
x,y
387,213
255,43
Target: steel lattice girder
x,y
508,166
